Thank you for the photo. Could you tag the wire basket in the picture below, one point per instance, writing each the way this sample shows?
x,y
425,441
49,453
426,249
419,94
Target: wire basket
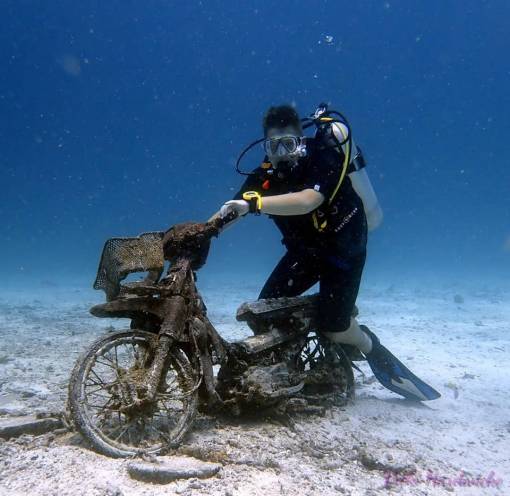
x,y
123,256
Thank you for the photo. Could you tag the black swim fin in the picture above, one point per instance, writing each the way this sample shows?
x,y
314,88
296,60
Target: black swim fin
x,y
394,375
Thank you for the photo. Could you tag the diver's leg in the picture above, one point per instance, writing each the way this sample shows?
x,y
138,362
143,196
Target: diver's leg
x,y
340,284
292,276
340,280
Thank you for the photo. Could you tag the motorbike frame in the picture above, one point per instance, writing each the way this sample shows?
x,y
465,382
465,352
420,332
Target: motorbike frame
x,y
172,308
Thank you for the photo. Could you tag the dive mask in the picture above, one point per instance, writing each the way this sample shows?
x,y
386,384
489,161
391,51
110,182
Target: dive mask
x,y
290,147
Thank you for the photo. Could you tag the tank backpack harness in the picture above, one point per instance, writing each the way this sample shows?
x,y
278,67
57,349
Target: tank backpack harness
x,y
341,141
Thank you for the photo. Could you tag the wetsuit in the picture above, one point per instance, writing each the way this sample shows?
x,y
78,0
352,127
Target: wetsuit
x,y
335,256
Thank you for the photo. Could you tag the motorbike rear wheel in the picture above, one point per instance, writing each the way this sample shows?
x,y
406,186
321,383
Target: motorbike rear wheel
x,y
106,396
328,364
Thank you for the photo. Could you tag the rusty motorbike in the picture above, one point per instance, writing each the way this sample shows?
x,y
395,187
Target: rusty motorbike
x,y
138,391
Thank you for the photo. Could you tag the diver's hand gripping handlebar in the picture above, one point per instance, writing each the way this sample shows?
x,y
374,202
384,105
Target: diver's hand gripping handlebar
x,y
221,222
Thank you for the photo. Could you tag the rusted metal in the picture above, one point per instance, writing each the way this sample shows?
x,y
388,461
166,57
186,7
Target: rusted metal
x,y
175,310
190,240
199,330
158,365
283,364
294,314
122,256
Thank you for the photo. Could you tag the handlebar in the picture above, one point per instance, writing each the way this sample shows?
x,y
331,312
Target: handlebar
x,y
221,222
143,253
191,240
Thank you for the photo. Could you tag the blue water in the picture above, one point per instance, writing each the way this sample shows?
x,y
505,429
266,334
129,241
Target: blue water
x,y
122,117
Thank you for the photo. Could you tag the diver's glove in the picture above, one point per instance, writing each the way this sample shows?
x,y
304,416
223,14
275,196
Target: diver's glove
x,y
251,203
242,207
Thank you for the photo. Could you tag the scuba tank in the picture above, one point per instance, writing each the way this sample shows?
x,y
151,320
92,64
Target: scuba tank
x,y
359,178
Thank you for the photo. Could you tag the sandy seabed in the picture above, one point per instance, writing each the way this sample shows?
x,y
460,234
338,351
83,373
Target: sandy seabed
x,y
457,339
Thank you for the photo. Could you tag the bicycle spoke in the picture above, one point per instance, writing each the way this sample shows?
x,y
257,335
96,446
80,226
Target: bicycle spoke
x,y
113,395
113,366
116,357
160,433
98,378
100,388
116,428
123,432
103,407
135,352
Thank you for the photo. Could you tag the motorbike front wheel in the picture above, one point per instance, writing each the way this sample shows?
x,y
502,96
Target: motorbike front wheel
x,y
107,403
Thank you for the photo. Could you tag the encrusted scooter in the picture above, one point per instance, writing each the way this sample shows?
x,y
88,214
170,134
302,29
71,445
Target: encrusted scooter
x,y
138,391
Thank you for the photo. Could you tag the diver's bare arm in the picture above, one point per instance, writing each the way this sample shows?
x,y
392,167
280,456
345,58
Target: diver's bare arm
x,y
299,203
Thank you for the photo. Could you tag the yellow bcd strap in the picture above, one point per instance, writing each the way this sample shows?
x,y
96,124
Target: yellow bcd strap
x,y
319,227
347,156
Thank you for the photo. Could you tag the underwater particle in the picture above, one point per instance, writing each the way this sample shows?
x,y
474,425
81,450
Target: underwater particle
x,y
459,299
506,244
328,39
70,64
468,376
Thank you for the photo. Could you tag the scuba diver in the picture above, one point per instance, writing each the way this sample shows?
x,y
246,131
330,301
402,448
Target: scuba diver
x,y
318,194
